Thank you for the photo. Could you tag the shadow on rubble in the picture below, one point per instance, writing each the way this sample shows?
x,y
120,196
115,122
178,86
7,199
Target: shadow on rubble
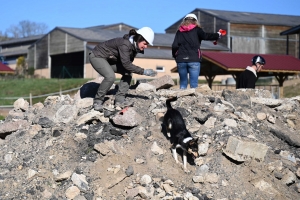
x,y
89,90
232,160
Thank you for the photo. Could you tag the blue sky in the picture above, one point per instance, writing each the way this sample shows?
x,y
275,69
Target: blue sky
x,y
157,14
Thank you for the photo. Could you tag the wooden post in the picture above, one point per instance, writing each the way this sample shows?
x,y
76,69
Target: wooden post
x,y
280,92
30,99
281,78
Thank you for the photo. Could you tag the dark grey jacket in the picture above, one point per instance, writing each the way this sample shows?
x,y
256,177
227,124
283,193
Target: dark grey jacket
x,y
119,50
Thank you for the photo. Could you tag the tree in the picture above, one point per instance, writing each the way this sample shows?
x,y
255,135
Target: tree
x,y
3,37
21,66
26,28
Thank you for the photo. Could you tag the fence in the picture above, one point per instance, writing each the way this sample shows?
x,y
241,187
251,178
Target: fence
x,y
274,89
30,97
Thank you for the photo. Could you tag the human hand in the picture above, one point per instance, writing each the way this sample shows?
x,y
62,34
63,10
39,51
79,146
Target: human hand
x,y
150,72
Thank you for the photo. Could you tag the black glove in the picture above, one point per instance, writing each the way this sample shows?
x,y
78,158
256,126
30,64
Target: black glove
x,y
150,72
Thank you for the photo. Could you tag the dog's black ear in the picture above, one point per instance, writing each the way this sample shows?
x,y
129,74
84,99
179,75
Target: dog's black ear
x,y
193,141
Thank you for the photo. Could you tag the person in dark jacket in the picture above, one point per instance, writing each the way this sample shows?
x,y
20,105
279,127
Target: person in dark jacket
x,y
247,78
186,49
116,56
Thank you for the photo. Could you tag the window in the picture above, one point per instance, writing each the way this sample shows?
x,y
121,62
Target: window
x,y
160,69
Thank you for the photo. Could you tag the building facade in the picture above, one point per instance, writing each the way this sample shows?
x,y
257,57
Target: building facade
x,y
63,53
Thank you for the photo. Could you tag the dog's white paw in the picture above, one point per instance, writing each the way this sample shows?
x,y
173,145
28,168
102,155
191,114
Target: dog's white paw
x,y
187,171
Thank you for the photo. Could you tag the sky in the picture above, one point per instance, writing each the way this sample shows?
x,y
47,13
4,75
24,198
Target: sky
x,y
157,14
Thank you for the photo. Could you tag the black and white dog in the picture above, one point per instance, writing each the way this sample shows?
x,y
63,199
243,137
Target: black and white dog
x,y
174,126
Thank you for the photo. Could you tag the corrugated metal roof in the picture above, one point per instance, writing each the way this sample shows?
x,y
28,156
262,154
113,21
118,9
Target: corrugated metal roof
x,y
253,18
101,35
155,53
239,61
15,53
91,35
20,40
109,26
5,68
160,39
248,18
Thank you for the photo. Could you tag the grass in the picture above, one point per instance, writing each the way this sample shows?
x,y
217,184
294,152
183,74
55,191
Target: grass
x,y
23,88
291,91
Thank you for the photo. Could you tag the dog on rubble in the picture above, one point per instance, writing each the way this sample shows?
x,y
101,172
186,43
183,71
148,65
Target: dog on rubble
x,y
174,126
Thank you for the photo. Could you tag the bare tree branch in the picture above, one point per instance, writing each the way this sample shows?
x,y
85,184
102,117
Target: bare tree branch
x,y
26,28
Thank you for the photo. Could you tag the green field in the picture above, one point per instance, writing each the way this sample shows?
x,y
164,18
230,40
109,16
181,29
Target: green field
x,y
23,88
291,91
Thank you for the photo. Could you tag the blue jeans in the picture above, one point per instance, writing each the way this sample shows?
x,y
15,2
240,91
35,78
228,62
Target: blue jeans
x,y
191,68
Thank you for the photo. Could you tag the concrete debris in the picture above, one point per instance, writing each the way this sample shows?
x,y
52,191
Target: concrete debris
x,y
63,149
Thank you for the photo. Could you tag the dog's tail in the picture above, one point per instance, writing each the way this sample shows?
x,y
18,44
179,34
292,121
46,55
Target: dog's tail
x,y
168,102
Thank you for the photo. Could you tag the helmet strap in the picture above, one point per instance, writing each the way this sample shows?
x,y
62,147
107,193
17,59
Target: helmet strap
x,y
136,47
257,66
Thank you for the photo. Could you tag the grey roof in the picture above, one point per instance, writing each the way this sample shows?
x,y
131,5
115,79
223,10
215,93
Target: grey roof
x,y
293,30
155,53
160,39
249,17
20,40
90,35
101,35
149,53
109,26
253,18
15,51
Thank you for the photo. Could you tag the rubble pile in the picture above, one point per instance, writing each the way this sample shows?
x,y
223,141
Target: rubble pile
x,y
64,149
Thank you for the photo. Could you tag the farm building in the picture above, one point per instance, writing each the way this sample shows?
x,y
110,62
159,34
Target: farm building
x,y
249,32
64,52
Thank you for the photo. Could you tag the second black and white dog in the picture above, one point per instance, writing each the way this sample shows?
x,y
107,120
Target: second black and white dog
x,y
174,126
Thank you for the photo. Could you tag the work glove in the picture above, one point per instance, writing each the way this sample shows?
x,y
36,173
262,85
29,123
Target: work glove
x,y
221,33
150,72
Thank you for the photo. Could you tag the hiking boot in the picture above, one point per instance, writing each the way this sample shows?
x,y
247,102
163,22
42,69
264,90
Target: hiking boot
x,y
98,105
124,103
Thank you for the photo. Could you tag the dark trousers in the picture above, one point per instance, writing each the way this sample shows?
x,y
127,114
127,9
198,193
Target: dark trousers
x,y
108,71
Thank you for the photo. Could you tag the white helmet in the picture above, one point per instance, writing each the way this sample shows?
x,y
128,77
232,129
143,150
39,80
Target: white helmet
x,y
191,15
147,34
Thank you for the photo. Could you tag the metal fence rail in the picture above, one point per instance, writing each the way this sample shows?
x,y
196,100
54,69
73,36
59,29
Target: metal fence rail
x,y
30,97
274,89
43,95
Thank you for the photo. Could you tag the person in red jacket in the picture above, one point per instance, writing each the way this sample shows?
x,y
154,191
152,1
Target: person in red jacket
x,y
116,56
186,49
247,78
